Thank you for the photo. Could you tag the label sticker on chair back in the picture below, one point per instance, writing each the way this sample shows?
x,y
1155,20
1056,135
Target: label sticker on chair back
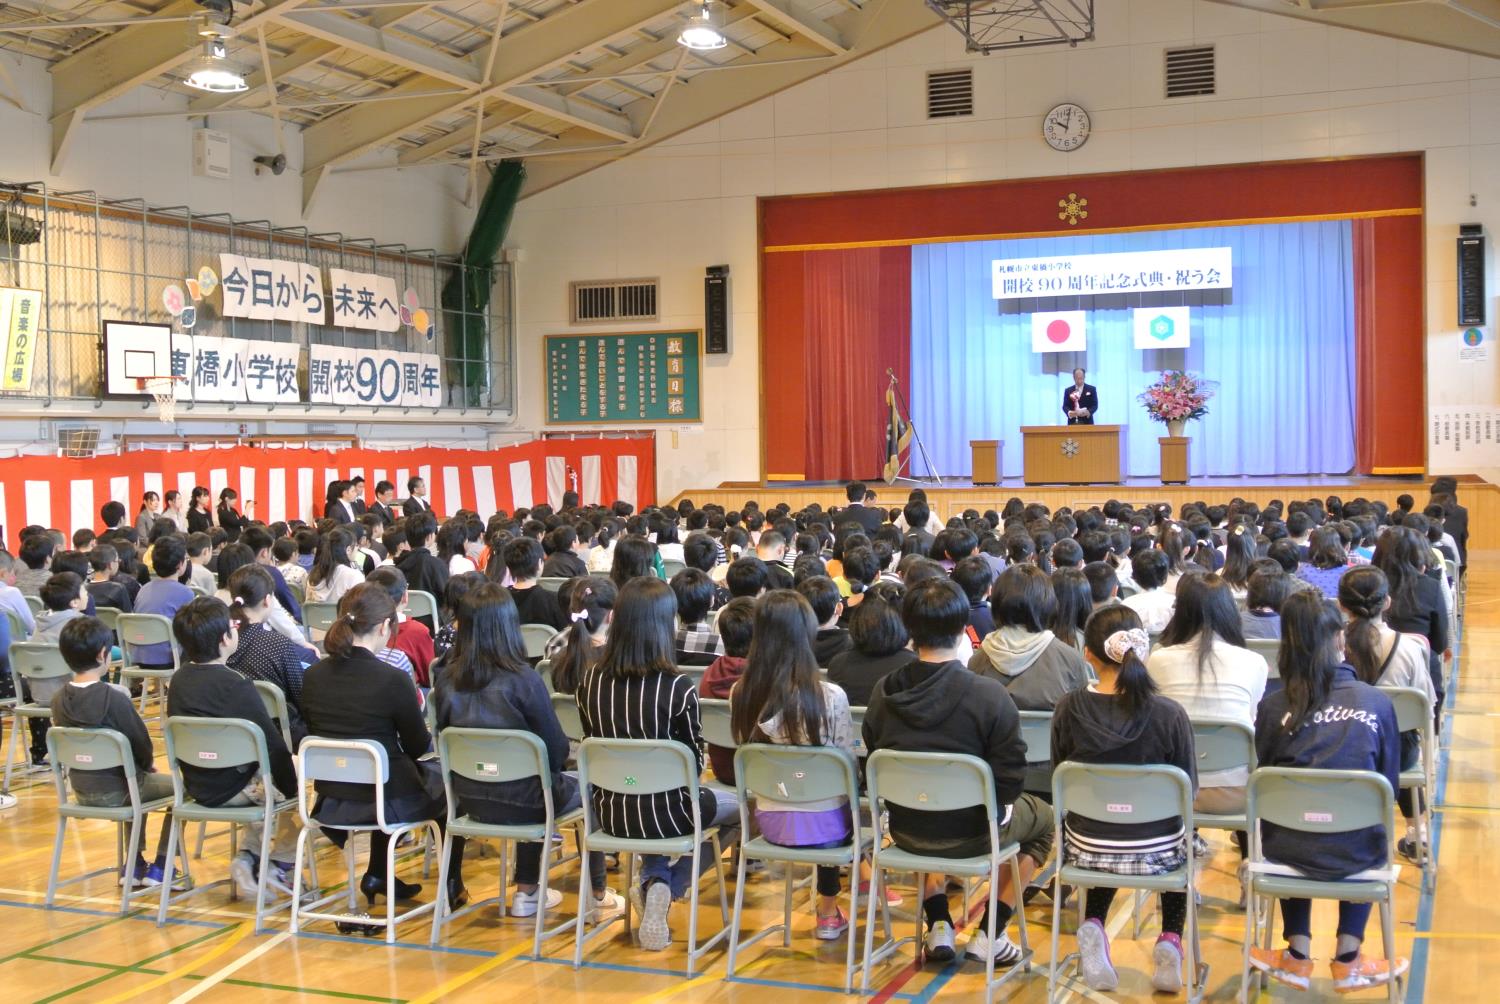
x,y
630,780
1317,817
207,755
922,797
1124,807
487,769
83,757
340,762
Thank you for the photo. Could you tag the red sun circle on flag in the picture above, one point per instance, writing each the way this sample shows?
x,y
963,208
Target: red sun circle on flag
x,y
1058,331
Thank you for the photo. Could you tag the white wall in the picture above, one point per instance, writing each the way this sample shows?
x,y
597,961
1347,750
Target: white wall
x,y
151,159
1286,90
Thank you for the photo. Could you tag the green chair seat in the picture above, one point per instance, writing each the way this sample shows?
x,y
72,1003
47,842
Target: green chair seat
x,y
831,856
119,814
1088,878
466,826
1290,887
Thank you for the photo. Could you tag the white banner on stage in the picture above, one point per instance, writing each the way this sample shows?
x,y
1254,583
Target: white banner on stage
x,y
1115,272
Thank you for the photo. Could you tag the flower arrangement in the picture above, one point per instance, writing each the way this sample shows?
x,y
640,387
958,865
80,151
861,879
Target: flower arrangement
x,y
1177,397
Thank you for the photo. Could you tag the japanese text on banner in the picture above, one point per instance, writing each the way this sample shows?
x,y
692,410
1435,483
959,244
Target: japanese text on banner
x,y
373,377
364,300
1116,272
264,289
20,312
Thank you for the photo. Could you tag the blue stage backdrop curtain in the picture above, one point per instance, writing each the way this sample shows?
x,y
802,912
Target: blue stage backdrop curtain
x,y
1282,352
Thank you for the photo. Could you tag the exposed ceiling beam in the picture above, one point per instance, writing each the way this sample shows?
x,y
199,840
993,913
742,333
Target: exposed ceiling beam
x,y
1467,26
494,118
124,60
572,111
519,56
710,95
796,15
359,37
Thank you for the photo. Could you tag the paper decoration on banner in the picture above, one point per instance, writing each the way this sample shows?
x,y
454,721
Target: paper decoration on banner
x,y
1162,327
188,317
20,310
207,281
264,289
173,300
363,300
1059,331
236,369
194,292
374,377
412,314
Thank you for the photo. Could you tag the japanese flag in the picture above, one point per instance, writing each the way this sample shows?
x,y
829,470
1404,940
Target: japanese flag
x,y
1062,331
1162,327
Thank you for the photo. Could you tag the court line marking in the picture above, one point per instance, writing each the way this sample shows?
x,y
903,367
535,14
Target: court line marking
x,y
464,978
136,968
1416,976
252,984
236,936
232,968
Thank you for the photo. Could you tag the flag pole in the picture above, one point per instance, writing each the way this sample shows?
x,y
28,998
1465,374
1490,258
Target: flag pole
x,y
895,388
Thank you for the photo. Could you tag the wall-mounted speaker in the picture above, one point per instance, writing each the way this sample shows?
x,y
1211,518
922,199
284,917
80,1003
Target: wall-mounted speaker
x,y
716,310
1471,274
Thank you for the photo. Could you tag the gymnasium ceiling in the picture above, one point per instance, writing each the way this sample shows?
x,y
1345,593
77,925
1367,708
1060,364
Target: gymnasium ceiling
x,y
567,84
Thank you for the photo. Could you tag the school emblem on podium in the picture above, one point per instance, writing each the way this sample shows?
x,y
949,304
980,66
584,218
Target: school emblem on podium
x,y
1073,209
1070,447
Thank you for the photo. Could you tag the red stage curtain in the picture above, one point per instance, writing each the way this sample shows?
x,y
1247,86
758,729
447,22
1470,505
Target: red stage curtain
x,y
857,324
1388,350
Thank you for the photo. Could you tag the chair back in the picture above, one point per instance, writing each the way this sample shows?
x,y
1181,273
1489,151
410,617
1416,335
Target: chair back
x,y
536,637
551,583
319,615
1450,568
37,660
712,618
493,756
298,591
274,702
89,749
213,744
1270,648
135,630
1413,710
671,566
1122,793
637,766
694,673
795,774
932,782
1319,801
420,603
1222,744
109,615
1036,733
36,604
565,706
713,712
857,721
18,631
349,761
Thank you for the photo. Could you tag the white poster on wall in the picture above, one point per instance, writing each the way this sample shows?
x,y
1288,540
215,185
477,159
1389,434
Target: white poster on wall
x,y
363,300
216,371
373,378
271,372
267,289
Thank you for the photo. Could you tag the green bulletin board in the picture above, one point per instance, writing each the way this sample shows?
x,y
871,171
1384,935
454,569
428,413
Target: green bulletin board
x,y
645,376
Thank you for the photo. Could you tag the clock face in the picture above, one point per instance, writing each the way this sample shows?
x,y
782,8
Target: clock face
x,y
1066,127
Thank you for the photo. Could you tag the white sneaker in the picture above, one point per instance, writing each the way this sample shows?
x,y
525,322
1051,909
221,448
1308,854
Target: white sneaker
x,y
1005,951
8,801
938,944
1093,957
242,870
523,904
1166,958
654,933
607,906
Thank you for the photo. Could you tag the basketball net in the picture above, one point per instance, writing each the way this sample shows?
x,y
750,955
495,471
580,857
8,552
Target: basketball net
x,y
164,390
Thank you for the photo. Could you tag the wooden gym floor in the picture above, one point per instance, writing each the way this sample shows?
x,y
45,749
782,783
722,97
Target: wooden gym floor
x,y
84,951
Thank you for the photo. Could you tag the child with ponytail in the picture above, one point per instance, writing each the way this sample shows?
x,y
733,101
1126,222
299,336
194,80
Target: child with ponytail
x,y
591,604
1120,719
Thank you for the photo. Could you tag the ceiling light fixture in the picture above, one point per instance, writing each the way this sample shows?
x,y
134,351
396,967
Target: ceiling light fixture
x,y
213,70
704,31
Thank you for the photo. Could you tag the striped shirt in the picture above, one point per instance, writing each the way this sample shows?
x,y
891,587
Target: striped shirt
x,y
659,706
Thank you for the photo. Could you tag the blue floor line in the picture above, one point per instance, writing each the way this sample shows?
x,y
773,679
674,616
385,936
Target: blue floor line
x,y
1417,977
139,914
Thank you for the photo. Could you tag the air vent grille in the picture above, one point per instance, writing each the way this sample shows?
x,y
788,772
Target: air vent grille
x,y
613,300
950,93
1190,72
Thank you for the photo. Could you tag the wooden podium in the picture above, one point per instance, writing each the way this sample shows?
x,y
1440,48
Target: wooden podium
x,y
1072,454
1174,459
985,454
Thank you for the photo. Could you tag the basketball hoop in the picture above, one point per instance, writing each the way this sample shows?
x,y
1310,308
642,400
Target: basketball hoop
x,y
164,390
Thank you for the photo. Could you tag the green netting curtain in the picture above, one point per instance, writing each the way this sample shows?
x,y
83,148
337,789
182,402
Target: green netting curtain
x,y
466,295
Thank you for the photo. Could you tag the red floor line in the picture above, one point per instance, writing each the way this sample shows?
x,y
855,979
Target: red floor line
x,y
903,977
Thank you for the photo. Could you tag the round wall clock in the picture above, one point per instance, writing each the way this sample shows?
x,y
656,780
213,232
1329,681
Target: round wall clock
x,y
1066,127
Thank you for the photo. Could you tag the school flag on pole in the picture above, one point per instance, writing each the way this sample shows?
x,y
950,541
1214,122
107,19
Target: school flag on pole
x,y
897,437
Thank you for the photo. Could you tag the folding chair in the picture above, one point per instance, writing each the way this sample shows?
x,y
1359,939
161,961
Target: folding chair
x,y
1316,801
671,566
18,631
274,701
494,756
134,631
795,775
1414,713
1270,648
36,604
647,767
713,714
1155,792
551,583
37,662
694,673
536,637
361,761
221,743
565,706
99,749
319,615
420,603
857,718
937,782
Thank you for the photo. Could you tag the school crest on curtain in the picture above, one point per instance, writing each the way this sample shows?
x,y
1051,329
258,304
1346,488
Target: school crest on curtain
x,y
897,438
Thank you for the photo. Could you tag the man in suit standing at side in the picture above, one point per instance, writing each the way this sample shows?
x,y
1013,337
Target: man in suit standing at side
x,y
358,501
416,500
1080,401
385,494
857,512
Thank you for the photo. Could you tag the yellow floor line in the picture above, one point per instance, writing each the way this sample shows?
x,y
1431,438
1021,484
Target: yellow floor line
x,y
197,990
465,978
239,934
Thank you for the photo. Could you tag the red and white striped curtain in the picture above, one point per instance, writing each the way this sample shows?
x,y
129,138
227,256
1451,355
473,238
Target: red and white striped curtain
x,y
290,483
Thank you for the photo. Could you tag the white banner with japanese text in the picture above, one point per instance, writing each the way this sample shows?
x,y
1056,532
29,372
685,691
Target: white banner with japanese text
x,y
265,289
376,377
364,300
1117,272
235,369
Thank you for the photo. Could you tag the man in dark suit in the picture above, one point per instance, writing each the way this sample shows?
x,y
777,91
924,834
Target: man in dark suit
x,y
340,506
358,501
1080,401
857,512
416,501
385,494
1455,516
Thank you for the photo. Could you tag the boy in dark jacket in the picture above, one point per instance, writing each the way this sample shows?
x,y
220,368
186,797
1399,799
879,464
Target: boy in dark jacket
x,y
936,705
205,687
827,604
88,702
